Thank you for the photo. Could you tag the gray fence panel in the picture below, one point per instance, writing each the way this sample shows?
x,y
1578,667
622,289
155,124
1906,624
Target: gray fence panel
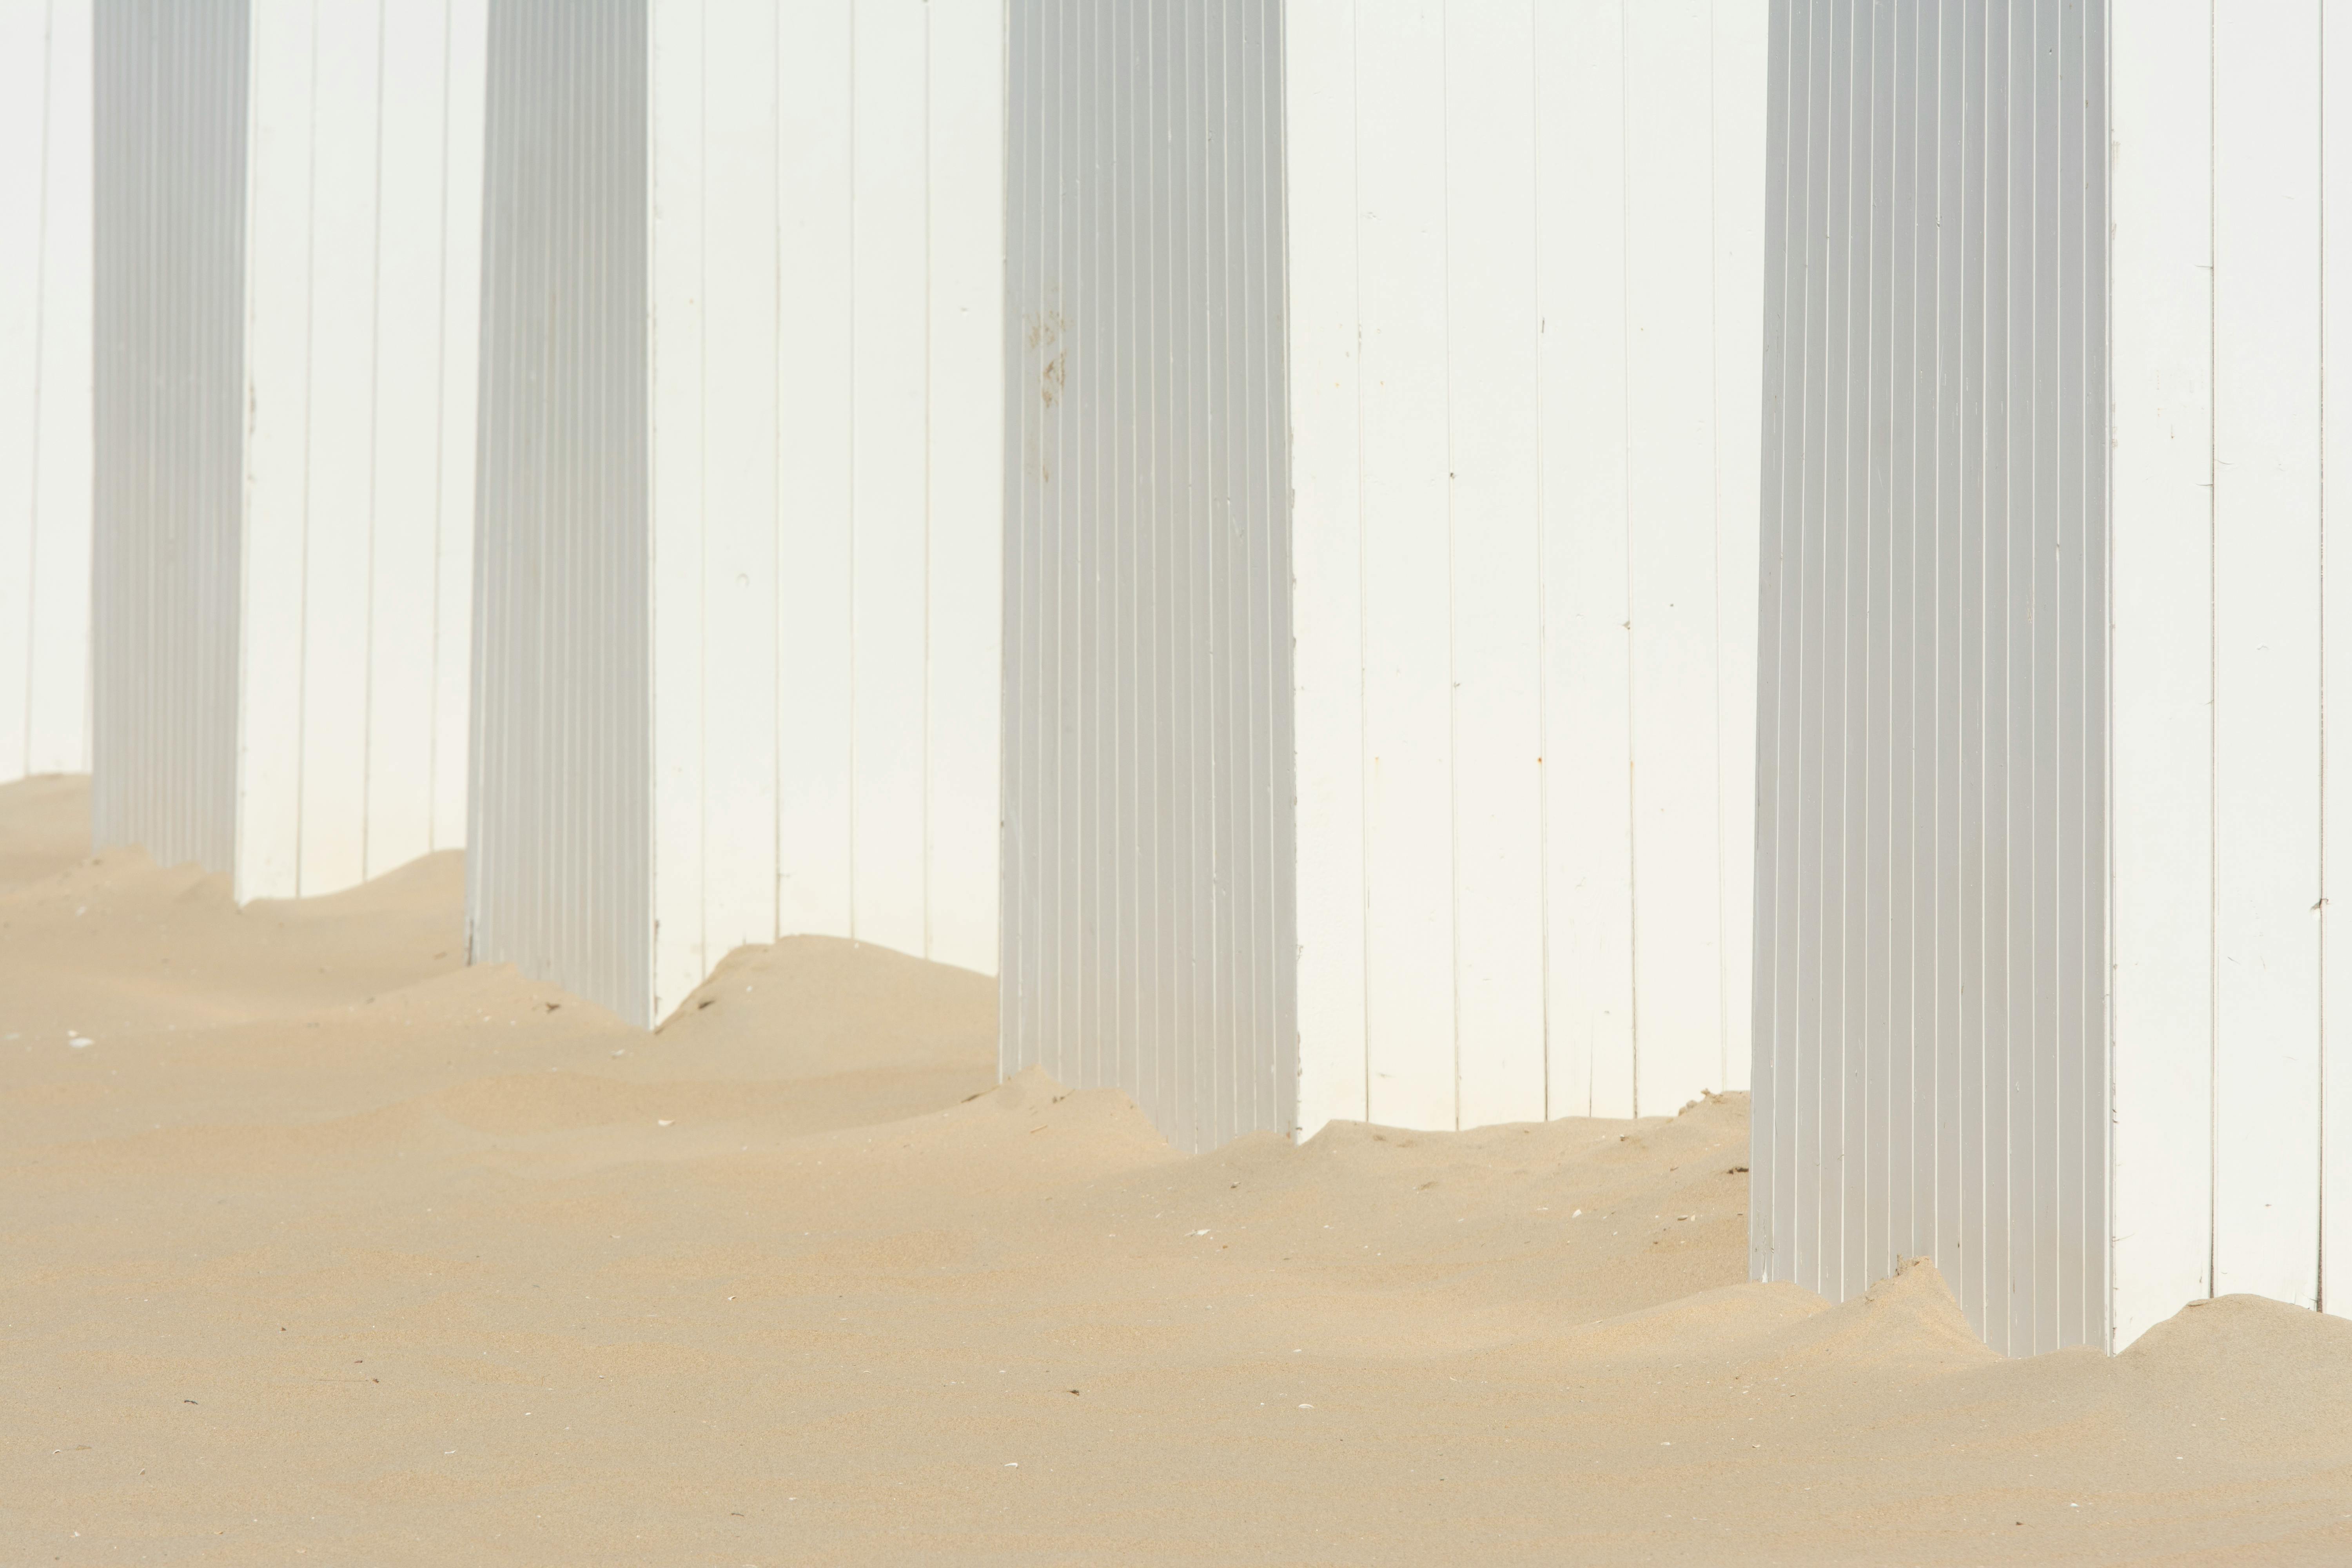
x,y
169,306
1149,903
559,874
1930,1037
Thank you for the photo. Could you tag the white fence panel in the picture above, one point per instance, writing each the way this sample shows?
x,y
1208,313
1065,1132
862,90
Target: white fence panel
x,y
2091,1097
2267,582
1521,528
1929,994
280,634
807,593
46,184
1147,902
2163,723
559,858
1550,515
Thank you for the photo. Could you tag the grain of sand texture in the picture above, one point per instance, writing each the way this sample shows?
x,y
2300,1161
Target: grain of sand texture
x,y
325,1249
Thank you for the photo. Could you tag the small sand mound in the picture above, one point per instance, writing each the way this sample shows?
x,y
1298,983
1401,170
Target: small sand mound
x,y
1908,1325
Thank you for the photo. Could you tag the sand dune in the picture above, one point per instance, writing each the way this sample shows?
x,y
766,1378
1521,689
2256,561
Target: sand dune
x,y
322,1248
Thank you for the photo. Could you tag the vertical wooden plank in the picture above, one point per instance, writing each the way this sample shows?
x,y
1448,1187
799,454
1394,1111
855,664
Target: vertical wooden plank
x,y
1491,373
1325,395
740,514
1409,819
965,174
1581,198
2267,623
1739,73
408,346
888,392
681,954
815,351
277,361
2162,722
1671,566
2336,676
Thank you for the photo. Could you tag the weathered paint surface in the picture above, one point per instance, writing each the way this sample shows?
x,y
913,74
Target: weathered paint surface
x,y
289,209
803,607
46,348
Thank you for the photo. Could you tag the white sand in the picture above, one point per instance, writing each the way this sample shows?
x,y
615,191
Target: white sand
x,y
325,1249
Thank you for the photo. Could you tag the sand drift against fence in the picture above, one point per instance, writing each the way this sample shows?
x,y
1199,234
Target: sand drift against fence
x,y
318,1241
